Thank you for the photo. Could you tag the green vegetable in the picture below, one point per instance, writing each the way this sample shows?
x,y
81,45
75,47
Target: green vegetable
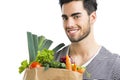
x,y
36,43
24,65
58,47
40,41
55,64
38,47
35,40
46,44
46,58
31,47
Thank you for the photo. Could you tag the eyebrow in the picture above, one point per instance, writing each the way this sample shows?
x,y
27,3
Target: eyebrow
x,y
63,15
76,13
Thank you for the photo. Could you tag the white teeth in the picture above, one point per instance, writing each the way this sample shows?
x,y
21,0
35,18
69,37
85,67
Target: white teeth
x,y
72,31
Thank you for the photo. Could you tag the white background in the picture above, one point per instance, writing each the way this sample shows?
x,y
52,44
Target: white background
x,y
43,17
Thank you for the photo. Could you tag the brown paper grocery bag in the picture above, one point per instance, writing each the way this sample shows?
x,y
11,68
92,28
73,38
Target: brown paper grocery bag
x,y
51,74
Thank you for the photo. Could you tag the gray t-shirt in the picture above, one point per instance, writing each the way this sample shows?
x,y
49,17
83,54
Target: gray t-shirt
x,y
105,66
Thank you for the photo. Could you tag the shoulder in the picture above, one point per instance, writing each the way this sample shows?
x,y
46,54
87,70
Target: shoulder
x,y
105,53
108,54
114,60
116,68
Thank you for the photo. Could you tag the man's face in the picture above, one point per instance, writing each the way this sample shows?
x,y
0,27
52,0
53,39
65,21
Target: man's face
x,y
76,21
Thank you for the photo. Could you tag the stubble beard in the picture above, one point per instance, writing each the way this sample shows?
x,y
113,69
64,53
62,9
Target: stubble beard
x,y
81,37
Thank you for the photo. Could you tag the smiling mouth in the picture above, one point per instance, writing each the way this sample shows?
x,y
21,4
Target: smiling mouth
x,y
72,31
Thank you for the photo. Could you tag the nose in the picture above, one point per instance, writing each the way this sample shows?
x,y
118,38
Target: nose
x,y
70,23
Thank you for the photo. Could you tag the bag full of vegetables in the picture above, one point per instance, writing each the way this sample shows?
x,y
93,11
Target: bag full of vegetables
x,y
42,66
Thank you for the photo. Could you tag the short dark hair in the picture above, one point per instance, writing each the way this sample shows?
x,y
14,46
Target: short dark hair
x,y
89,5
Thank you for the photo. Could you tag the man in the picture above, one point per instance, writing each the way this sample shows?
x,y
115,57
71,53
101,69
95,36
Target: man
x,y
79,17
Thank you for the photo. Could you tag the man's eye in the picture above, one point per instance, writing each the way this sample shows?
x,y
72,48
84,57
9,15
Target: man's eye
x,y
76,17
64,18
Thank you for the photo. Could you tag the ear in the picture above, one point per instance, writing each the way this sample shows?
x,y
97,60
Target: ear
x,y
93,17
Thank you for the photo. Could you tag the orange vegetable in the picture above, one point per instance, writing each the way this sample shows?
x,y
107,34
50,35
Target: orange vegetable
x,y
81,70
68,63
35,65
74,67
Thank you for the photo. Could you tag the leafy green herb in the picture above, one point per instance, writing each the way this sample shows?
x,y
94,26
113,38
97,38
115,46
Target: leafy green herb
x,y
46,58
24,65
55,64
88,74
46,67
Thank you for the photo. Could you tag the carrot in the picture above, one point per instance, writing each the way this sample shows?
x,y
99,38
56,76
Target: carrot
x,y
68,63
74,67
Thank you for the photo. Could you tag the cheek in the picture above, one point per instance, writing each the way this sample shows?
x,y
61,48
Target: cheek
x,y
85,25
64,26
82,21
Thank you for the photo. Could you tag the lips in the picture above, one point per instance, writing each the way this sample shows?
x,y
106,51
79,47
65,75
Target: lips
x,y
72,31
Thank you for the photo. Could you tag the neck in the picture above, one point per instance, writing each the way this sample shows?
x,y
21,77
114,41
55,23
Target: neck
x,y
85,49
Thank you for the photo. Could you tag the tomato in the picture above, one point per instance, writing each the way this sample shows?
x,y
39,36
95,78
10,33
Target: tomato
x,y
35,65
